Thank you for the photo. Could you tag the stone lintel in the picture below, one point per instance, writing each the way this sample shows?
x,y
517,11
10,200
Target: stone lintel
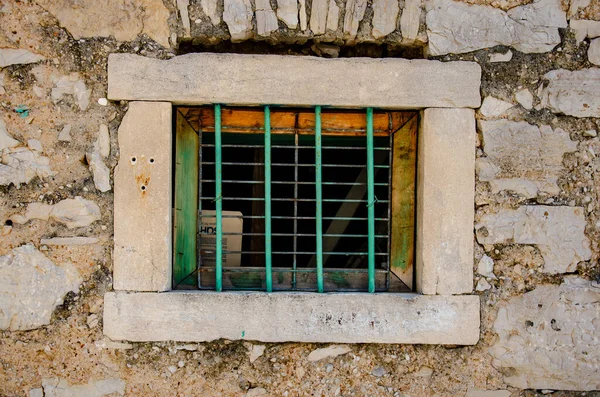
x,y
189,316
445,209
196,79
142,256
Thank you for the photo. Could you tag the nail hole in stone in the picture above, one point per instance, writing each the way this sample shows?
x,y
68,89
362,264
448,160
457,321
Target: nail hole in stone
x,y
143,187
133,160
151,161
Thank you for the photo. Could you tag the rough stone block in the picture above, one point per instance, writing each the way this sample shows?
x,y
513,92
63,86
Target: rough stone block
x,y
558,232
196,79
142,256
31,286
549,337
523,158
573,93
299,317
446,189
457,27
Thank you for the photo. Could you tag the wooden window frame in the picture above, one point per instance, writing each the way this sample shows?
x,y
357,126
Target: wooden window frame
x,y
400,126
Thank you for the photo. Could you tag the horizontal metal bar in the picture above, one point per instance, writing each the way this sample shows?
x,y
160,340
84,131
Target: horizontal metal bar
x,y
293,217
297,183
294,165
296,147
238,269
299,253
290,199
302,235
233,181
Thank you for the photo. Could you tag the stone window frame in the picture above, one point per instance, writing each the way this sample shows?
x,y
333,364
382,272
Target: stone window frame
x,y
441,311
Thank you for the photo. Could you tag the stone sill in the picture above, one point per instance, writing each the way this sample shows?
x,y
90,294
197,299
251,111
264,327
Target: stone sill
x,y
198,316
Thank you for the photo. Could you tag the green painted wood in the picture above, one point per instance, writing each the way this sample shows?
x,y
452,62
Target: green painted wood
x,y
186,203
404,177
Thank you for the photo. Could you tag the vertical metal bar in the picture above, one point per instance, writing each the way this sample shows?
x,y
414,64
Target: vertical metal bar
x,y
371,200
319,198
389,221
199,221
218,201
294,263
268,264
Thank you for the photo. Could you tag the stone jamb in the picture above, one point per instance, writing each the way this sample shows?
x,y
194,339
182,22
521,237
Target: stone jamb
x,y
444,257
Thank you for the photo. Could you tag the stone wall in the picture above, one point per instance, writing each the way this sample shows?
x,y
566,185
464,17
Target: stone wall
x,y
537,228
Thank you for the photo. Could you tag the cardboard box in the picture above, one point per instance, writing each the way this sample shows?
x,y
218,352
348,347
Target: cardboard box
x,y
208,238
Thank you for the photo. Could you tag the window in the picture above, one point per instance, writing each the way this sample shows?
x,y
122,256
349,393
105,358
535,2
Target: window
x,y
144,306
342,182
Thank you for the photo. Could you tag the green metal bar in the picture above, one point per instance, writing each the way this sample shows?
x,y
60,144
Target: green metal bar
x,y
268,263
371,200
319,198
218,201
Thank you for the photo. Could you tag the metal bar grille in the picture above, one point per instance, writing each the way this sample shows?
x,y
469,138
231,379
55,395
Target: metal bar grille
x,y
269,273
322,220
218,201
319,198
371,199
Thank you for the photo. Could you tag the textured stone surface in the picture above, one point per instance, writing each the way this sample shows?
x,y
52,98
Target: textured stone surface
x,y
303,16
410,20
558,233
485,267
494,107
99,170
594,52
488,393
266,20
73,213
122,19
385,17
573,93
251,79
318,16
523,158
142,260
56,387
69,241
500,57
237,14
333,16
20,164
456,27
525,98
103,141
282,317
31,286
255,352
11,56
182,6
549,337
287,11
211,10
585,28
446,189
6,141
328,352
72,85
355,12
